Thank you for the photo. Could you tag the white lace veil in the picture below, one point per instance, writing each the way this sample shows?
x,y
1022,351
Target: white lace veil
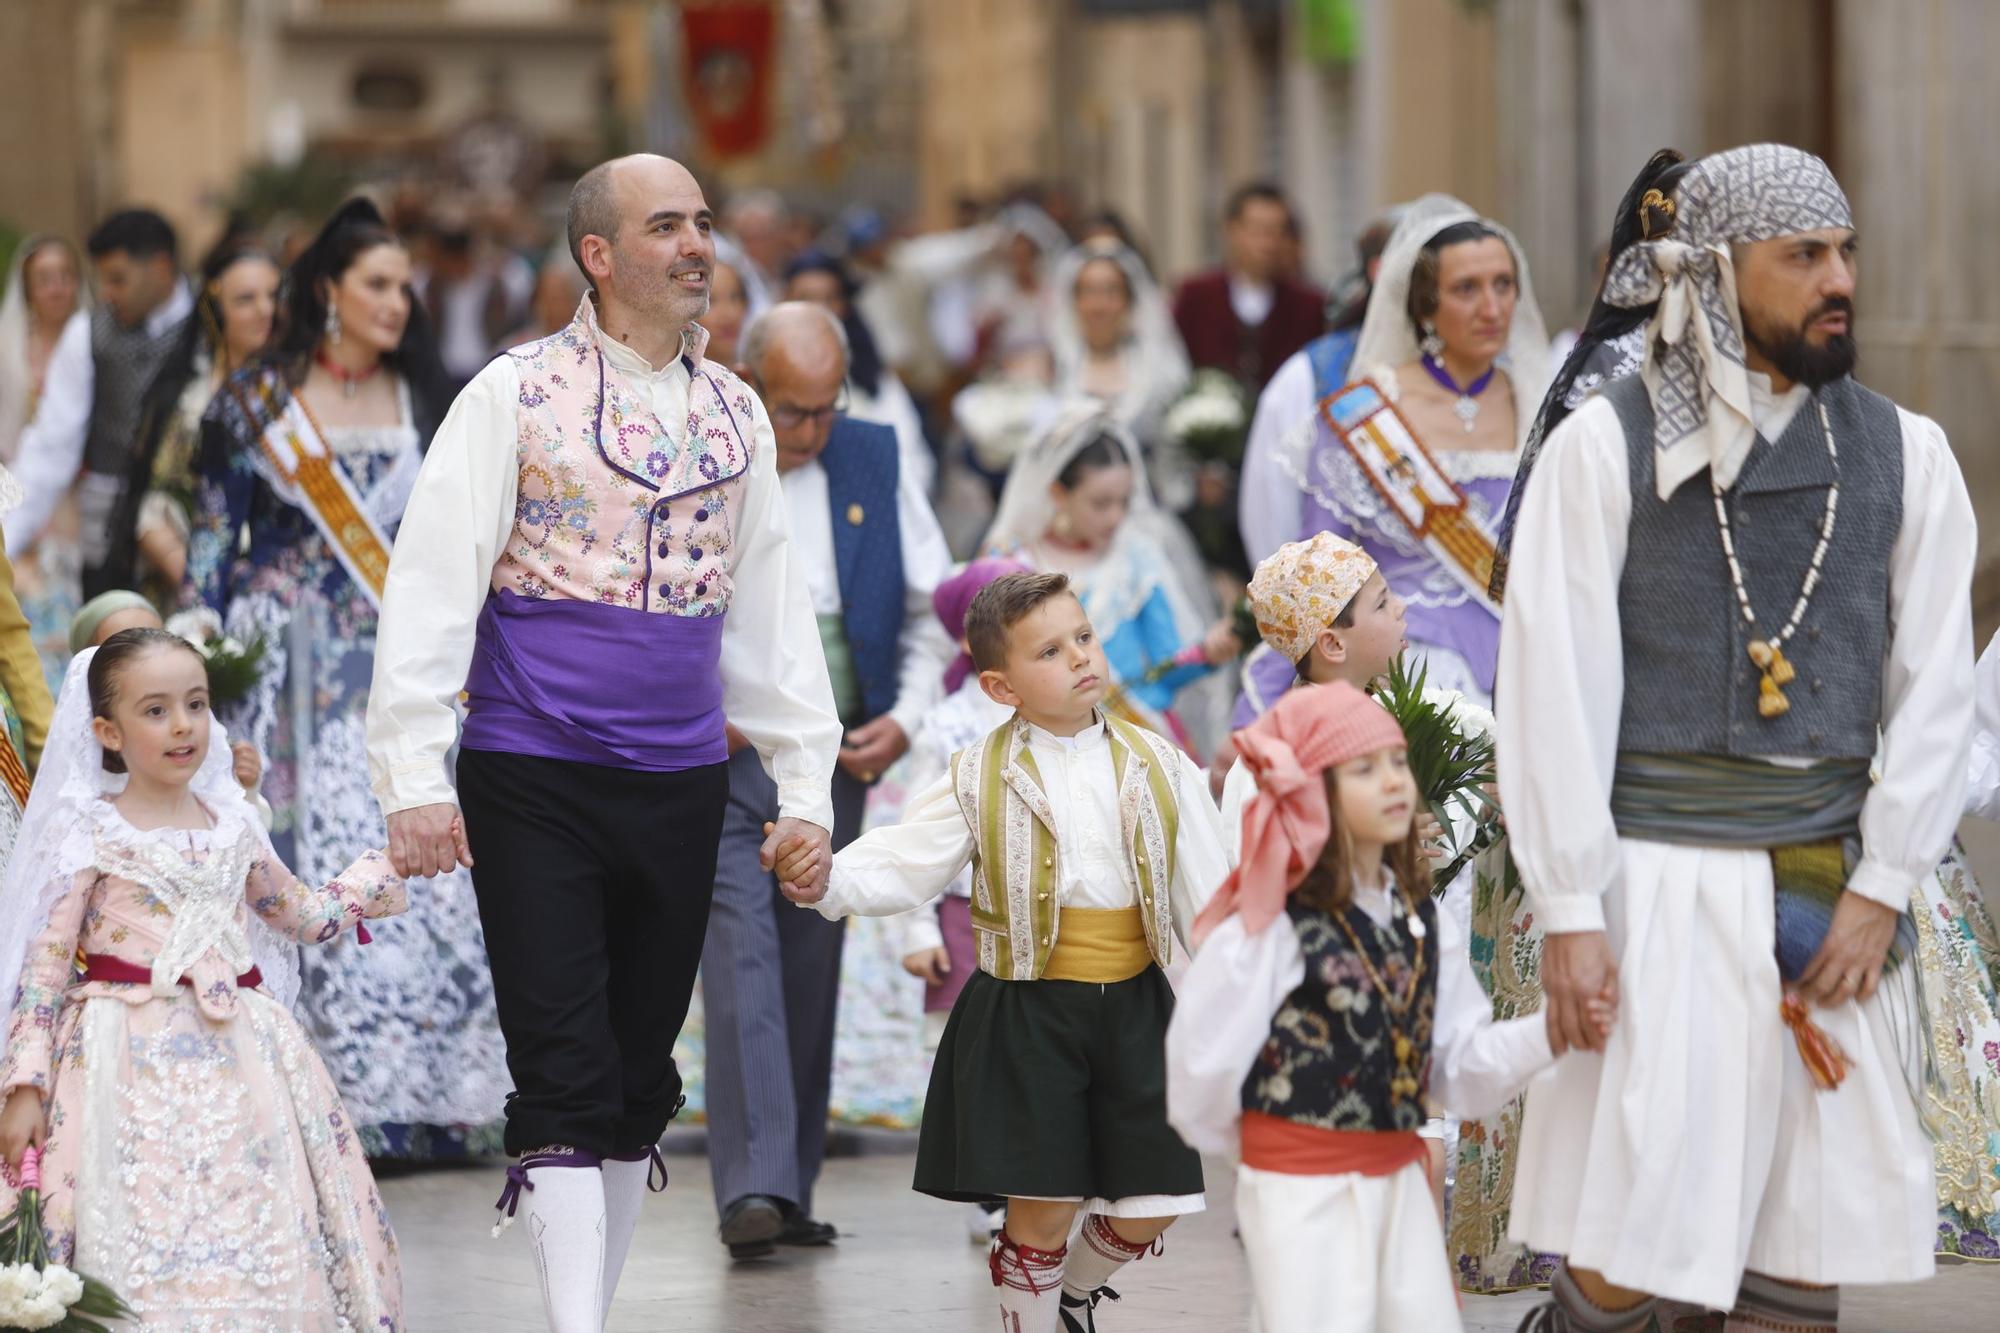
x,y
1151,545
16,381
1026,509
1155,358
57,841
1388,340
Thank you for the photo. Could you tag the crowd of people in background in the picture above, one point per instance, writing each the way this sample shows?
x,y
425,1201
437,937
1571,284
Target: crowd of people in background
x,y
1055,404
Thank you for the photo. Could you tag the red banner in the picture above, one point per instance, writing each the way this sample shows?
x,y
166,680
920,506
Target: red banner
x,y
730,49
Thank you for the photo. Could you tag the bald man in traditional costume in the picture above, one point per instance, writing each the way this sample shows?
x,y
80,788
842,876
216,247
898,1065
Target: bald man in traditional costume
x,y
597,555
1735,697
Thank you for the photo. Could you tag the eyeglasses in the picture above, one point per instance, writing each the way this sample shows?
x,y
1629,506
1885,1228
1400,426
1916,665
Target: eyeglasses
x,y
791,418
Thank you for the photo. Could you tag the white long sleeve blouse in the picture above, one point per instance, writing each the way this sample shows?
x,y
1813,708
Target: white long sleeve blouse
x,y
906,865
1237,983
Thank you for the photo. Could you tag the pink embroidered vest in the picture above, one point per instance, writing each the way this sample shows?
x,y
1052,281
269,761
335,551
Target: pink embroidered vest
x,y
616,506
601,642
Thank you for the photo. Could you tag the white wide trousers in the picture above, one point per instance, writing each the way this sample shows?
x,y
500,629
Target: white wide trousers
x,y
1696,1146
1345,1254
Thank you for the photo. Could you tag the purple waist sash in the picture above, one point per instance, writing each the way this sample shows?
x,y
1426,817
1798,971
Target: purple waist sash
x,y
562,679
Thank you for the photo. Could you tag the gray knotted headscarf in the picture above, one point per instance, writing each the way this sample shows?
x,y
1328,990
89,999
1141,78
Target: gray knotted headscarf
x,y
1694,369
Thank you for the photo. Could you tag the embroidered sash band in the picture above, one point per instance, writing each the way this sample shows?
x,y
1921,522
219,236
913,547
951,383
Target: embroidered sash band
x,y
1412,485
295,448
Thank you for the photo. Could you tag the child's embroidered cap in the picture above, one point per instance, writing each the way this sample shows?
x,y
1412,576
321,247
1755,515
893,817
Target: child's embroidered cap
x,y
1302,587
1287,823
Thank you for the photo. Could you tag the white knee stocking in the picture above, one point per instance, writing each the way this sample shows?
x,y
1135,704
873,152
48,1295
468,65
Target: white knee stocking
x,y
1030,1285
625,1183
564,1192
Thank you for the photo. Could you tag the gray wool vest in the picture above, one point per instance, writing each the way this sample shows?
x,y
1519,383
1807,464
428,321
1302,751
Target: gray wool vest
x,y
126,362
1690,687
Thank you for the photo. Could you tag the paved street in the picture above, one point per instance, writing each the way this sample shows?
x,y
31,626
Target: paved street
x,y
904,1263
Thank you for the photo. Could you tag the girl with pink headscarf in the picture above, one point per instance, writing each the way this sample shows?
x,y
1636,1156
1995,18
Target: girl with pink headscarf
x,y
1329,1008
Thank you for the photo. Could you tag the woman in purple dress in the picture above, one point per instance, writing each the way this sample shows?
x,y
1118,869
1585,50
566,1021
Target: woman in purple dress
x,y
1413,459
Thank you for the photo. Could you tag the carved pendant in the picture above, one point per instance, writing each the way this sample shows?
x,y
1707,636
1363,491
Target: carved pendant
x,y
1771,701
1781,670
1403,1051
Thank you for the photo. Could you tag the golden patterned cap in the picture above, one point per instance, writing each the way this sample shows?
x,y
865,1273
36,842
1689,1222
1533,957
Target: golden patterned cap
x,y
1299,591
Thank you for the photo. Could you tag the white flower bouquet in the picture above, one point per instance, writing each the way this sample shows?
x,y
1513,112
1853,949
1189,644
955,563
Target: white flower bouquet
x,y
37,1294
1210,421
233,665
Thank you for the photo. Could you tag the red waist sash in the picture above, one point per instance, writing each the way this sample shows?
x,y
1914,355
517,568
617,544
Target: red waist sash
x,y
105,967
1271,1143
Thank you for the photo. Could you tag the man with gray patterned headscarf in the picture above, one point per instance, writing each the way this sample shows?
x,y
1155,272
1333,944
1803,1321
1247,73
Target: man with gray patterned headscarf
x,y
1734,697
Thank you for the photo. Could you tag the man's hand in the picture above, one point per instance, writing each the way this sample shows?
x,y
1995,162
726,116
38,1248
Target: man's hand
x,y
807,850
1848,965
931,966
428,840
737,740
1580,981
867,751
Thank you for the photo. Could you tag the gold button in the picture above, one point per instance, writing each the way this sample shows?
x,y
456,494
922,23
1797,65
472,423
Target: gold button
x,y
1048,861
854,515
1141,860
1045,939
1043,896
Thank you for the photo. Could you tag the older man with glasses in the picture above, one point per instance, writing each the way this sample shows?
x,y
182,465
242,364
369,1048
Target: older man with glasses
x,y
873,553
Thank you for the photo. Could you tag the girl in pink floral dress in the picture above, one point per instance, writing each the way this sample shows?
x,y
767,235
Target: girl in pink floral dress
x,y
196,1157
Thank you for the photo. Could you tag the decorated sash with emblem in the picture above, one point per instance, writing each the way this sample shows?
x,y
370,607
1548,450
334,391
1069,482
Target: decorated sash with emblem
x,y
292,445
1412,485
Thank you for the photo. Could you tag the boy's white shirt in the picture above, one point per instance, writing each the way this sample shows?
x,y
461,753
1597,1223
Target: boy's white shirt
x,y
1224,1005
891,870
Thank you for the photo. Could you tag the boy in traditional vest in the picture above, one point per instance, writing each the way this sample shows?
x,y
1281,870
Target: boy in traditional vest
x,y
1322,605
1092,843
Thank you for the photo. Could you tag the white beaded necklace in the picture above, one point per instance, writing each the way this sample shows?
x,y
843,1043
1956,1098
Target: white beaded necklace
x,y
1768,655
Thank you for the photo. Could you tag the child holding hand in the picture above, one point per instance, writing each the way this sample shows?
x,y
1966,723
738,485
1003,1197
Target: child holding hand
x,y
197,1155
1092,843
1329,1002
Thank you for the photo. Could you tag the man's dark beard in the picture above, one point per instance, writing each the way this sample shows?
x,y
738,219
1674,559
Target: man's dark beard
x,y
1798,359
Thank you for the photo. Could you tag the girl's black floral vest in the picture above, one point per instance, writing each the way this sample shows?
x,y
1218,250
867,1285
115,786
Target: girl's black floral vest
x,y
1330,1058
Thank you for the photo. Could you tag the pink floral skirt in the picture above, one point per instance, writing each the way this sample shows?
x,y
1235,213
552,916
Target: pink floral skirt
x,y
208,1173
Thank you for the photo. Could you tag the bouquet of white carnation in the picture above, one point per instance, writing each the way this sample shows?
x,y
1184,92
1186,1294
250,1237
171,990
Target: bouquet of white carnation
x,y
36,1294
233,665
1211,420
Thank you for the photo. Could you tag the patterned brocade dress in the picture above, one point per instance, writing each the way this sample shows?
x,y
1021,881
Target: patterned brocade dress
x,y
199,1160
407,1026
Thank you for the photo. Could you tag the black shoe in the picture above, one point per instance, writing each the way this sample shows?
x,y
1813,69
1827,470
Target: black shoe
x,y
1086,1322
801,1228
751,1226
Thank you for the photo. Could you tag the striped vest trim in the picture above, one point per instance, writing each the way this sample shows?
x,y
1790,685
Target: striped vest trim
x,y
1016,875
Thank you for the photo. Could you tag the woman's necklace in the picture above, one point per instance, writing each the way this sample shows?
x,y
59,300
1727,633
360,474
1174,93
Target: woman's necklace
x,y
1768,655
1403,1083
1467,406
350,380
